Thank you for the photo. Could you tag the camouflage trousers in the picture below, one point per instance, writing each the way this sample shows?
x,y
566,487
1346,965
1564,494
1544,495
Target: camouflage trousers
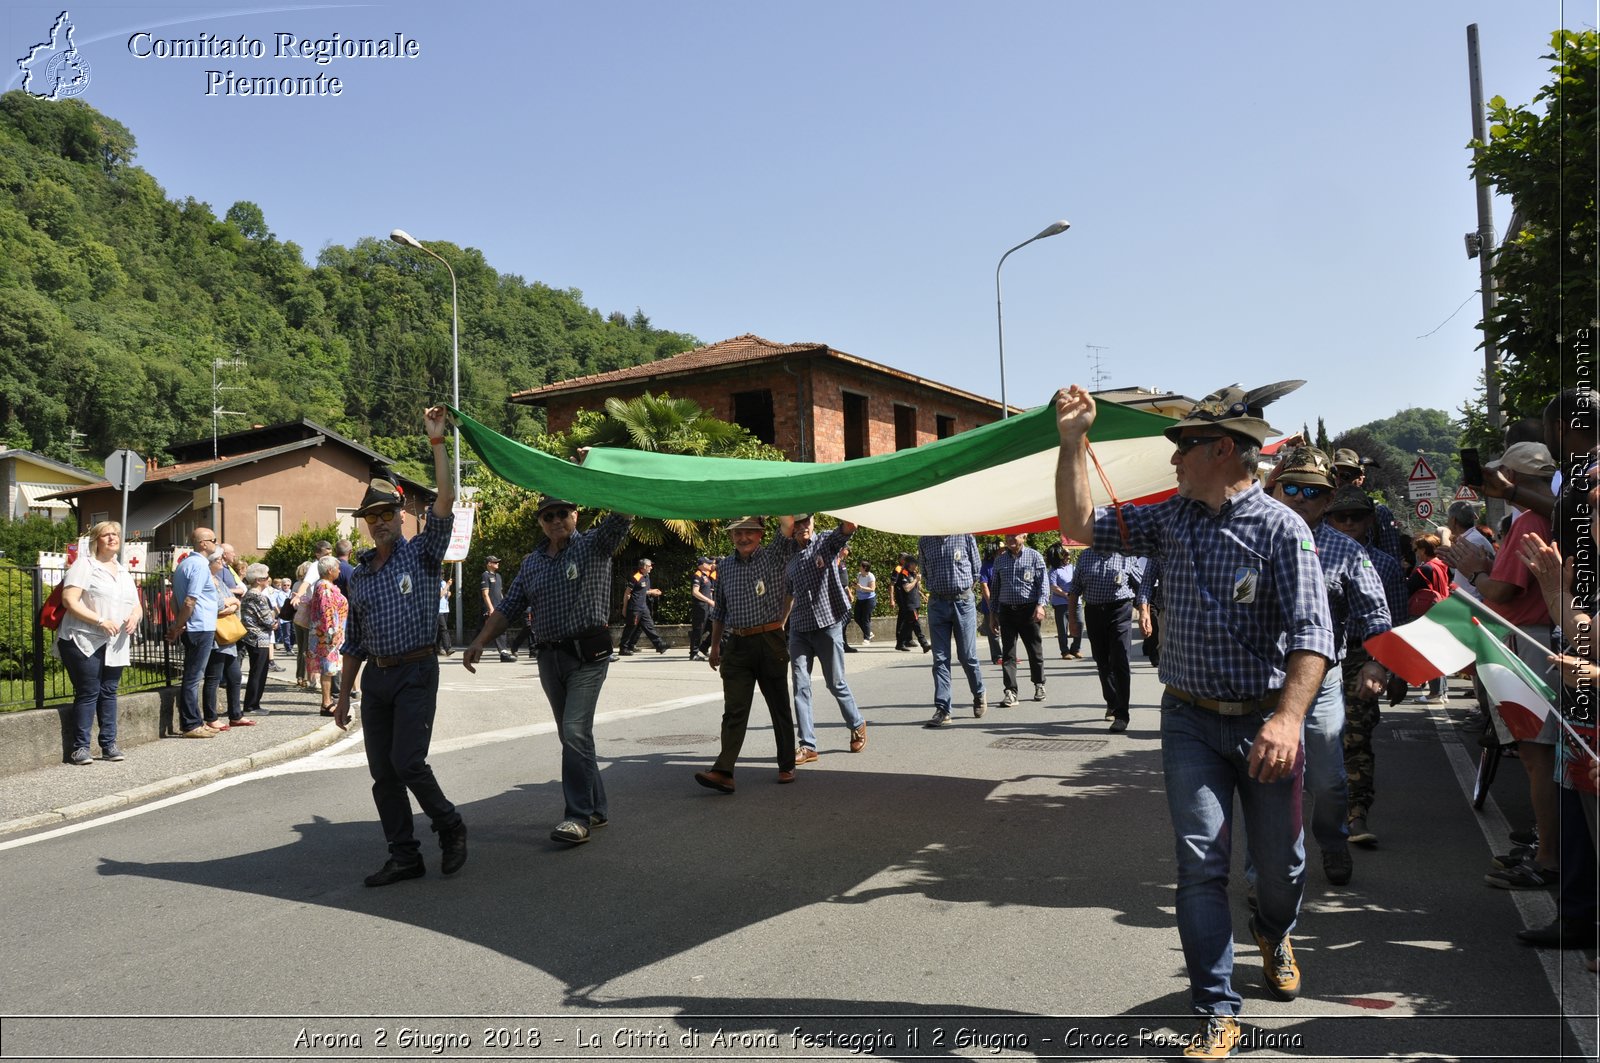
x,y
1360,720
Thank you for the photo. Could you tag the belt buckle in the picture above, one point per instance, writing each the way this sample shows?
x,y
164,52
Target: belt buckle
x,y
1235,708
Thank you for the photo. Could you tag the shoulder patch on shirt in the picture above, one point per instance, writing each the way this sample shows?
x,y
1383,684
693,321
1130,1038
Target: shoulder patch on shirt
x,y
1366,562
1308,544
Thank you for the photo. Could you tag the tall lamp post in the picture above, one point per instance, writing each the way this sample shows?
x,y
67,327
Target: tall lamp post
x,y
405,239
1053,229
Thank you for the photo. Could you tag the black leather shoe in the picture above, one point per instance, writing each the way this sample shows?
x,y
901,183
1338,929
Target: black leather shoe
x,y
1561,934
453,842
393,872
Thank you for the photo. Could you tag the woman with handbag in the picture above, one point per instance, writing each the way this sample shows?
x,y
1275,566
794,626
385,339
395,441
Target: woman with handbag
x,y
93,641
260,621
223,664
329,611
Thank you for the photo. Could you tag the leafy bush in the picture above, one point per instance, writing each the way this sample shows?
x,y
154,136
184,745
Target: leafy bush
x,y
23,540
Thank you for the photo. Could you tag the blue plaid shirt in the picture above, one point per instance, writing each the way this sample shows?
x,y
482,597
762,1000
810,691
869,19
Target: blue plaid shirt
x,y
817,585
1385,533
1104,579
751,593
950,563
1020,580
1355,593
395,609
1393,579
569,593
1243,590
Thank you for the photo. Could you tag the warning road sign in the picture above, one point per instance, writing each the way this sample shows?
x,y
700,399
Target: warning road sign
x,y
1421,471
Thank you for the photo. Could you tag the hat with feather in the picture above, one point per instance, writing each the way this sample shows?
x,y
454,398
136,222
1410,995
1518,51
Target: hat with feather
x,y
1236,410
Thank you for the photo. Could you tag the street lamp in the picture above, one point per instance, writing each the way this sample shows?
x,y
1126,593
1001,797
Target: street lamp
x,y
405,239
1053,229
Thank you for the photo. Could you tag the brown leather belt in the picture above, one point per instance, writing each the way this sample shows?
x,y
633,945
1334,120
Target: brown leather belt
x,y
421,653
1227,708
746,632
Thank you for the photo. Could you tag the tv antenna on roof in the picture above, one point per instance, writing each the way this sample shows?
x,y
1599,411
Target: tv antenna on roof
x,y
1097,376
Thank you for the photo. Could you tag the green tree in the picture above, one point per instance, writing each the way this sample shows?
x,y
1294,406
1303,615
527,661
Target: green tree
x,y
1546,274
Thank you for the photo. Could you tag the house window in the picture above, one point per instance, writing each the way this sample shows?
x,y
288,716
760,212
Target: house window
x,y
905,427
753,411
944,426
855,426
269,525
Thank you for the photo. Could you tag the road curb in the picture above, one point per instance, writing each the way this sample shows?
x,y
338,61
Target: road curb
x,y
322,737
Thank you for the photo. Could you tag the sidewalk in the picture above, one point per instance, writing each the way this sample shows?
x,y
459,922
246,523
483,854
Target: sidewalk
x,y
49,797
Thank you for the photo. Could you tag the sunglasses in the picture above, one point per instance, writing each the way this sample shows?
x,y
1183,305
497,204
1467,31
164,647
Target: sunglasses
x,y
1347,517
381,517
1309,492
1348,475
1188,443
556,514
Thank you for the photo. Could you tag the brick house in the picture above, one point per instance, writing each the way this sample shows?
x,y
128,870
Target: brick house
x,y
812,402
263,482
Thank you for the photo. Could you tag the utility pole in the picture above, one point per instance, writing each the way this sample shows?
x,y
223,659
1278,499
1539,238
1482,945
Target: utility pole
x,y
1481,245
1096,376
217,412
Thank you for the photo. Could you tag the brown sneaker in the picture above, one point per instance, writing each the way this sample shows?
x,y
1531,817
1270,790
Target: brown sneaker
x,y
1277,965
200,732
858,738
804,755
1217,1038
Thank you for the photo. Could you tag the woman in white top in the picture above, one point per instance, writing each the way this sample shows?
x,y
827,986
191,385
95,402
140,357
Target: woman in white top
x,y
96,634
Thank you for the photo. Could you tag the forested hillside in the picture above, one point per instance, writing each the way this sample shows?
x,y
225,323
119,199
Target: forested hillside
x,y
115,303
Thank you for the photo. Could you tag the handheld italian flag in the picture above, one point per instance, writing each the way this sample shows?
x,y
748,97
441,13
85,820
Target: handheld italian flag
x,y
1458,632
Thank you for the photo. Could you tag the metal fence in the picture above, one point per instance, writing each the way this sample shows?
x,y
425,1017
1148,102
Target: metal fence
x,y
32,676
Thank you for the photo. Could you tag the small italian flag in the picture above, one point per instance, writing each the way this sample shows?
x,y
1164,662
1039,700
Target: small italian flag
x,y
1454,634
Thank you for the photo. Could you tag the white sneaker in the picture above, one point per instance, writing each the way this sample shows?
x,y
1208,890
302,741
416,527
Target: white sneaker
x,y
1010,698
1038,692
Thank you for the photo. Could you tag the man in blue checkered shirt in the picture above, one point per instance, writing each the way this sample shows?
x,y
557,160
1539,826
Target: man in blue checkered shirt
x,y
752,604
1020,586
1248,641
1303,481
952,565
1109,584
394,610
820,609
564,587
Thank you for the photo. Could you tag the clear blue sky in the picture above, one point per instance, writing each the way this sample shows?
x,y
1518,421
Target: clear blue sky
x,y
1257,191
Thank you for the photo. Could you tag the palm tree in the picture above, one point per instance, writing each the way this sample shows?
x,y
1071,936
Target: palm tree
x,y
668,426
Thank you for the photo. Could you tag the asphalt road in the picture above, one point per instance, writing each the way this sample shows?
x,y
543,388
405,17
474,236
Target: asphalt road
x,y
998,889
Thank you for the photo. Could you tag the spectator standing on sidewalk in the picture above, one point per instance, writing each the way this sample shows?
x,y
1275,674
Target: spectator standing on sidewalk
x,y
95,639
390,638
442,642
194,620
260,622
1069,613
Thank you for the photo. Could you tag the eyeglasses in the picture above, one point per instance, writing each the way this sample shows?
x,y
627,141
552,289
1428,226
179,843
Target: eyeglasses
x,y
1347,475
383,516
1309,492
1188,443
1347,517
556,514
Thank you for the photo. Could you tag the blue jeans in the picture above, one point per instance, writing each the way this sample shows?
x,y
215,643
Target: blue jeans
x,y
959,617
94,694
574,690
196,653
826,646
1326,782
1204,758
397,708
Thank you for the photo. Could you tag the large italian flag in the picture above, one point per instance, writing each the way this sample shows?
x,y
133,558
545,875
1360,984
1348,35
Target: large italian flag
x,y
1455,633
998,477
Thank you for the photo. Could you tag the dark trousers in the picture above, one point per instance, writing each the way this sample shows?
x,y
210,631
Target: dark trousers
x,y
699,626
442,639
260,662
908,628
640,624
222,669
864,608
1110,630
992,622
397,707
1017,621
747,662
1068,642
196,653
1576,901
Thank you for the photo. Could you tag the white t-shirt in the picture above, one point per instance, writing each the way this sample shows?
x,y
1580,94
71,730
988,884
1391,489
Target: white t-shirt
x,y
109,593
